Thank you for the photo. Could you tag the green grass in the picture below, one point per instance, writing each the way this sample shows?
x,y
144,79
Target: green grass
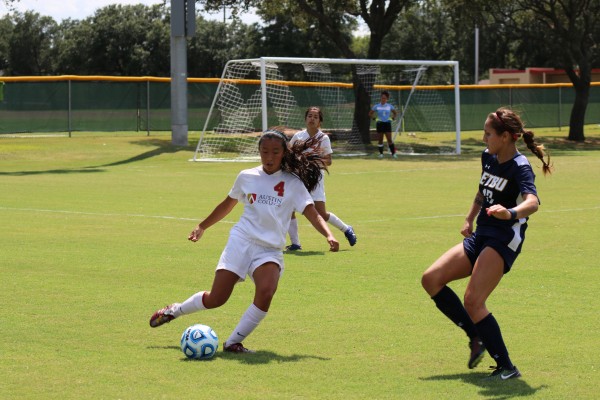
x,y
93,240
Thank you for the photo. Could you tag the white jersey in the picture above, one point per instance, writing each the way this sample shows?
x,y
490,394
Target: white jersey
x,y
268,200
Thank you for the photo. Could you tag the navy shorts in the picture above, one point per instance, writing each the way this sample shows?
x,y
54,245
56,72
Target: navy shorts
x,y
383,127
474,245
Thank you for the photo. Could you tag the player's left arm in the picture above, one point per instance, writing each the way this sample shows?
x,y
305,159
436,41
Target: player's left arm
x,y
311,214
529,206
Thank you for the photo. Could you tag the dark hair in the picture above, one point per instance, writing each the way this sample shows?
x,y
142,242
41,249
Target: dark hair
x,y
302,159
309,109
506,120
385,93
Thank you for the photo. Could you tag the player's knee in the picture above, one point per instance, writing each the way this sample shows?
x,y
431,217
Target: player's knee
x,y
214,300
428,280
472,303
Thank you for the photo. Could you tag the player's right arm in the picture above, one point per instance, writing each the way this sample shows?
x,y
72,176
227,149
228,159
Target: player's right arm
x,y
467,229
220,212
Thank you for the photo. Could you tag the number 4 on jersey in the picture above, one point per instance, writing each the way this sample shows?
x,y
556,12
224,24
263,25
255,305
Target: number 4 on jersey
x,y
279,188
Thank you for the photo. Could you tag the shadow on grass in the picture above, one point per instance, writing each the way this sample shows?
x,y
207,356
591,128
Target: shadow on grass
x,y
302,253
496,390
266,357
161,147
86,170
260,357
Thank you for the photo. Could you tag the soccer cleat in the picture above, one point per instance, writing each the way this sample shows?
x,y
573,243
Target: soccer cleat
x,y
293,247
477,352
236,348
380,156
163,316
350,235
503,373
395,155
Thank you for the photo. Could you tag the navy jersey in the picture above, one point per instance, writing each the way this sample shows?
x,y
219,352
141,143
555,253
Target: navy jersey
x,y
504,184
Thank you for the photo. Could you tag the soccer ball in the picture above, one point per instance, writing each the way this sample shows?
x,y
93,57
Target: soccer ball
x,y
199,342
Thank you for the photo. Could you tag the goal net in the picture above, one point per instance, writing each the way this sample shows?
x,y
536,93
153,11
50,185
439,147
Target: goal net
x,y
257,94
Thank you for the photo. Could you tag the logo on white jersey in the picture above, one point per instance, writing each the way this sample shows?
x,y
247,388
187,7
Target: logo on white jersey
x,y
264,199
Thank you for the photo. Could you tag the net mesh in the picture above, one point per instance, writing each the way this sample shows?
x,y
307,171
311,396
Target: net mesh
x,y
237,112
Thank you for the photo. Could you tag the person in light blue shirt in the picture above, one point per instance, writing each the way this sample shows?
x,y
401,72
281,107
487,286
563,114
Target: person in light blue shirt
x,y
386,113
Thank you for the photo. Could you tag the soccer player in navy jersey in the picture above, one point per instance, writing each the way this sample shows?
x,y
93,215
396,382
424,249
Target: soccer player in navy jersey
x,y
270,193
507,196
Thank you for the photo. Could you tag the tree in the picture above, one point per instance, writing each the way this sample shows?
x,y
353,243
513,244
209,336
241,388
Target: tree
x,y
30,45
564,32
331,18
6,28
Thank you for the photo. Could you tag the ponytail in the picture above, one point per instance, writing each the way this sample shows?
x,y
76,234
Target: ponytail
x,y
302,159
538,150
506,120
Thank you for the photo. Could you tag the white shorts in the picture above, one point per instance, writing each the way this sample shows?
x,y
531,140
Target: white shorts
x,y
242,256
318,194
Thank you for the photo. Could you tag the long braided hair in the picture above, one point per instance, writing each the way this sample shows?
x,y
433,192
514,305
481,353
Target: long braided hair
x,y
302,159
504,119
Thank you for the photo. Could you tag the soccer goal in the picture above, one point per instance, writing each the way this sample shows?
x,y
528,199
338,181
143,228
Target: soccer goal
x,y
254,95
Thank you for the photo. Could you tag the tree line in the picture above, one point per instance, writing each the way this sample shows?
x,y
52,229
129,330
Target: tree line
x,y
134,40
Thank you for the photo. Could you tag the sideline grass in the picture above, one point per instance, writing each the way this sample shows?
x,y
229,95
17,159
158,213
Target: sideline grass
x,y
93,240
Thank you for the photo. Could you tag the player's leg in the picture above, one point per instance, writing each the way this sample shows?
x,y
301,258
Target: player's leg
x,y
266,279
220,292
379,140
453,265
487,273
334,220
294,236
391,145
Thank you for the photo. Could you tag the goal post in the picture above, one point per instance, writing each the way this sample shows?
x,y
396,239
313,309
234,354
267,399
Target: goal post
x,y
256,94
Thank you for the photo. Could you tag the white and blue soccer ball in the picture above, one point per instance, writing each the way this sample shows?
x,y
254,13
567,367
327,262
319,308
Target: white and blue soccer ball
x,y
199,342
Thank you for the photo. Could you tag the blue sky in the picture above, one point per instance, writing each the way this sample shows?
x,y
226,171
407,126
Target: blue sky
x,y
81,9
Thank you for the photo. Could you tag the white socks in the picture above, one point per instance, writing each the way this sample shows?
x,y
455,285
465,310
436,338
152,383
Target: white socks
x,y
247,324
191,305
293,231
338,223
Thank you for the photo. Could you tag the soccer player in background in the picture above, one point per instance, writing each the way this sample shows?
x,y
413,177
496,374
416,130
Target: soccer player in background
x,y
270,193
507,196
384,111
313,118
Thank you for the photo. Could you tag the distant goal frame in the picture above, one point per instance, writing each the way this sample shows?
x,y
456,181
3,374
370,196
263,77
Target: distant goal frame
x,y
263,62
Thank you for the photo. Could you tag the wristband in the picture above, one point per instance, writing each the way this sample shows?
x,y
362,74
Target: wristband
x,y
513,213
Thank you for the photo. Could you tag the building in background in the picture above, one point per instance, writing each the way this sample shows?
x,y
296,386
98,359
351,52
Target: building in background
x,y
499,76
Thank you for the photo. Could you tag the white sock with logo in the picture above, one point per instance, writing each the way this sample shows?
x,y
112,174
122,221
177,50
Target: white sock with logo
x,y
338,223
191,305
247,324
293,231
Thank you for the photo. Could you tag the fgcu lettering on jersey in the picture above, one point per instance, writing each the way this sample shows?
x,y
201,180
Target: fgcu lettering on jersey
x,y
493,182
251,197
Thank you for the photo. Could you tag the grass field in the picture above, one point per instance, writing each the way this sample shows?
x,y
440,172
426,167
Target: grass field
x,y
93,239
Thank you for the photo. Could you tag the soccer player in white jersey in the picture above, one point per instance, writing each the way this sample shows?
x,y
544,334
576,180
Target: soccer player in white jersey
x,y
386,113
270,193
313,118
507,196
